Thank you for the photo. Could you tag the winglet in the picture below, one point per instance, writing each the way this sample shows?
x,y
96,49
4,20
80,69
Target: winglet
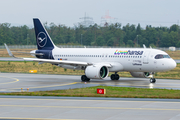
x,y
8,50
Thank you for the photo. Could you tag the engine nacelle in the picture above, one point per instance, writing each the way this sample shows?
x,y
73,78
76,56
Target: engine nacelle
x,y
140,74
96,72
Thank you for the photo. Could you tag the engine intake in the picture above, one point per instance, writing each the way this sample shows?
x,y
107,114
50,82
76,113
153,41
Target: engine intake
x,y
96,72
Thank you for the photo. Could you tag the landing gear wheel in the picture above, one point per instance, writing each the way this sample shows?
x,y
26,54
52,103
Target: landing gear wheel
x,y
117,76
84,78
152,80
114,77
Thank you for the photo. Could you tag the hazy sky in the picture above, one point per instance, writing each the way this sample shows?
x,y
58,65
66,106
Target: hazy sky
x,y
67,12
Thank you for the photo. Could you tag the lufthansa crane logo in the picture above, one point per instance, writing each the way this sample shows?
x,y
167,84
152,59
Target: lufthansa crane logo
x,y
41,39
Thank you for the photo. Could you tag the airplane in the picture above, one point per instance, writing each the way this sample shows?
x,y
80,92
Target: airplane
x,y
98,62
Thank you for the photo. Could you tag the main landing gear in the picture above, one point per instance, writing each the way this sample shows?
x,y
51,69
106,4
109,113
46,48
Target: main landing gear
x,y
84,78
115,76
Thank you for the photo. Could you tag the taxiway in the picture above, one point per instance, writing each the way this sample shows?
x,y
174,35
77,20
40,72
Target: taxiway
x,y
16,82
86,108
73,108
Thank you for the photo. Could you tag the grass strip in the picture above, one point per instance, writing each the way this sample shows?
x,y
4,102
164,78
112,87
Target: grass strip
x,y
115,92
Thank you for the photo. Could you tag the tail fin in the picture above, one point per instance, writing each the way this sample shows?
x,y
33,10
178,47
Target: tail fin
x,y
43,39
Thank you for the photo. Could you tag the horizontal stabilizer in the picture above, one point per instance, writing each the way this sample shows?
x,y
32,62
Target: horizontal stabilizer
x,y
29,53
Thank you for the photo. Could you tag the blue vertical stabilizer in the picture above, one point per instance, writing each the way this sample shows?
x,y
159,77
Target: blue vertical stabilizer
x,y
43,39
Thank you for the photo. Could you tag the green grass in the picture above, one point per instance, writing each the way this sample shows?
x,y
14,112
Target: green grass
x,y
116,92
24,67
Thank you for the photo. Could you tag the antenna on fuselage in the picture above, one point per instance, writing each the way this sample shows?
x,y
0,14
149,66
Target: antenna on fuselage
x,y
144,46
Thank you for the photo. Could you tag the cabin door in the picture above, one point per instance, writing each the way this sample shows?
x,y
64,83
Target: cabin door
x,y
146,57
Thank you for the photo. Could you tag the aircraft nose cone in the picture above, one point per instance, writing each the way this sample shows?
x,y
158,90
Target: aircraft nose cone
x,y
172,64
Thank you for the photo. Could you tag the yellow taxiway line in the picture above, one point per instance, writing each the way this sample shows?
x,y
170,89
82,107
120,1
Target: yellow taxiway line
x,y
16,80
50,85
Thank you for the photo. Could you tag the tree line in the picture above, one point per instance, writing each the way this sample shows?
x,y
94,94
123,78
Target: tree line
x,y
110,35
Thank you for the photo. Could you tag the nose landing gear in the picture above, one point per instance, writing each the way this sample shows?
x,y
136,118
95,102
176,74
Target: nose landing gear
x,y
152,80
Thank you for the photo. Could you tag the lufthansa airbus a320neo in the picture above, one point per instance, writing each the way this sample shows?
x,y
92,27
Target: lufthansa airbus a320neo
x,y
98,62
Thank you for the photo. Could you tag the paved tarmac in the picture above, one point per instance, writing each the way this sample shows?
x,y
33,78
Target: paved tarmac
x,y
16,82
79,108
86,108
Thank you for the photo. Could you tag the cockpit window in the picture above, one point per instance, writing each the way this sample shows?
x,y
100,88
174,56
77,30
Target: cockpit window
x,y
160,56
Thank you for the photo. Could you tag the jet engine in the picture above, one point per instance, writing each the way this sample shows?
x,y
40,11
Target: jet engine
x,y
96,72
141,74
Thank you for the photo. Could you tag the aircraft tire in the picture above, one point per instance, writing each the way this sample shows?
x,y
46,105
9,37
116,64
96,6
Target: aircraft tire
x,y
84,78
117,77
152,80
114,77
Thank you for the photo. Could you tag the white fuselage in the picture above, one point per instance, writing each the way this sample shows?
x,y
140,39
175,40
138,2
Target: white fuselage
x,y
121,59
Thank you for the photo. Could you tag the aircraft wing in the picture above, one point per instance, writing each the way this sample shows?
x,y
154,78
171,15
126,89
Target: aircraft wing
x,y
50,60
58,61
